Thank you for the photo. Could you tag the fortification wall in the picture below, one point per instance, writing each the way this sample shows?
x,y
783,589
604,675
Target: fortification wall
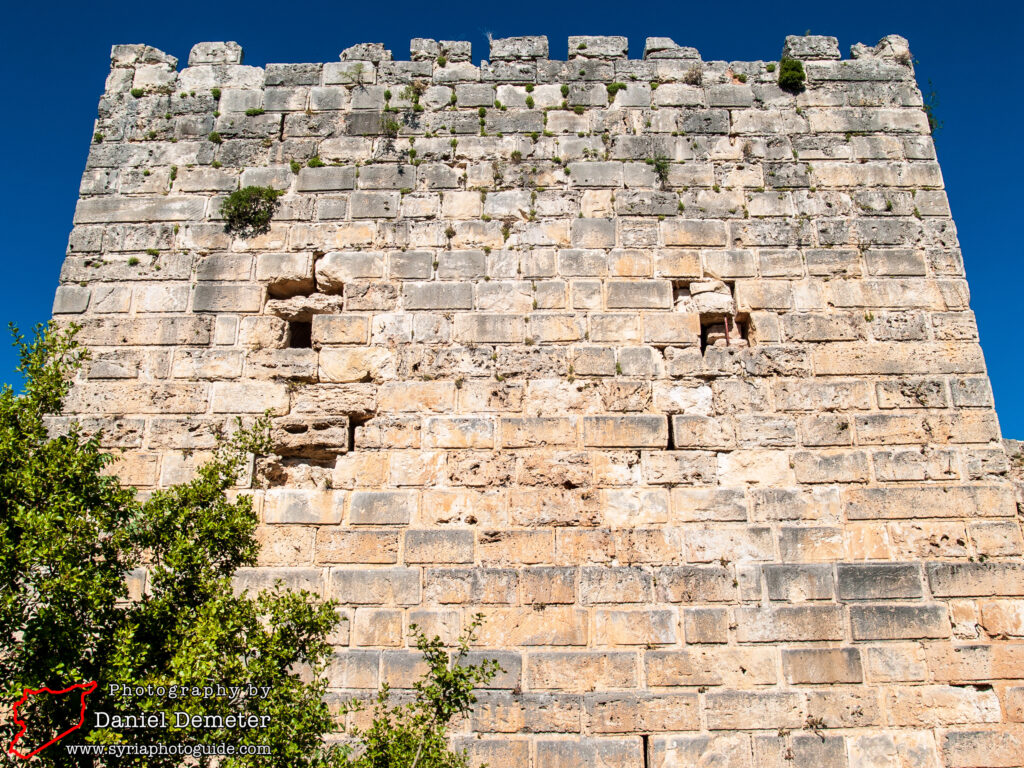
x,y
675,382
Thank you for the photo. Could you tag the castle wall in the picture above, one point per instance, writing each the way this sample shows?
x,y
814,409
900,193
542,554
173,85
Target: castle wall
x,y
676,383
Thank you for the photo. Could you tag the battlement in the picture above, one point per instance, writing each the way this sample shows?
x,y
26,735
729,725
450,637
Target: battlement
x,y
666,366
512,60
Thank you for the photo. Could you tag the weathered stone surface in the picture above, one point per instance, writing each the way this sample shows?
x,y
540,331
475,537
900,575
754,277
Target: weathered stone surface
x,y
519,48
810,47
671,374
215,53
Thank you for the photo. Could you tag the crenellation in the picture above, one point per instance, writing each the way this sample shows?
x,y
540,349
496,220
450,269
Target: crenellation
x,y
670,372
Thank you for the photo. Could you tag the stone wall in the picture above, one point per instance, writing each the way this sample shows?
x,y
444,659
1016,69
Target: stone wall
x,y
668,372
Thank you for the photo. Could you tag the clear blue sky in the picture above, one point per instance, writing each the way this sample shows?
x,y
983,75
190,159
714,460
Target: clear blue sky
x,y
56,58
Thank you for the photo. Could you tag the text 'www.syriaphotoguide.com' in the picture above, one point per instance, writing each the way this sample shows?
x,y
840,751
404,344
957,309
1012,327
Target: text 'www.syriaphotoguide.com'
x,y
153,750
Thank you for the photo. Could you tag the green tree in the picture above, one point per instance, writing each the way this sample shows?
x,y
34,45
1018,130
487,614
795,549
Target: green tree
x,y
248,211
69,537
415,734
792,75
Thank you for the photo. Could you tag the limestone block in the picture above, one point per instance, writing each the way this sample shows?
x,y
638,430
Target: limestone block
x,y
876,581
208,297
102,397
820,503
340,329
741,544
256,579
303,308
894,47
437,296
724,749
337,268
997,539
597,47
998,748
504,751
374,52
601,584
461,265
344,365
417,396
899,622
215,53
326,179
810,47
249,397
830,467
772,709
489,328
458,432
285,545
627,508
71,300
666,48
224,267
596,174
508,547
580,671
709,666
206,364
976,579
138,469
1002,618
154,77
1014,698
411,265
761,467
538,432
519,48
705,625
466,585
678,95
112,209
615,753
790,623
259,332
729,95
798,583
286,274
819,543
691,504
377,627
632,294
293,74
511,297
311,437
379,586
353,669
940,501
130,55
382,507
624,431
386,177
693,232
438,546
285,505
941,705
614,627
629,712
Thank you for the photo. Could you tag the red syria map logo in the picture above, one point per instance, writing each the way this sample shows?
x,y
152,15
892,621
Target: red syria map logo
x,y
85,688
